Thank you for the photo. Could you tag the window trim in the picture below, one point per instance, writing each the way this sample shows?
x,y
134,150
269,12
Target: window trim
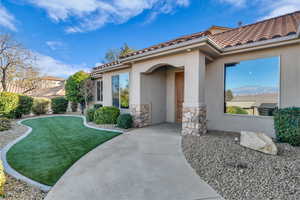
x,y
247,59
101,96
118,74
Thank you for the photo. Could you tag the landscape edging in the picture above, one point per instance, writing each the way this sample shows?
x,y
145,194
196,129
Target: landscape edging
x,y
9,170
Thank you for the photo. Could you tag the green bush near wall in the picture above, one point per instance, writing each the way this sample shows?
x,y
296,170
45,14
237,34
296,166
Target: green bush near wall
x,y
40,106
24,107
107,115
59,105
125,121
287,125
90,113
8,104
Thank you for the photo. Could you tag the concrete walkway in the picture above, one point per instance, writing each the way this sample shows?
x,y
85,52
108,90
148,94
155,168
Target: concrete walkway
x,y
144,164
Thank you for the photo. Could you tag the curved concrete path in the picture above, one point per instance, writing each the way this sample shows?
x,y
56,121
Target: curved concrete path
x,y
144,164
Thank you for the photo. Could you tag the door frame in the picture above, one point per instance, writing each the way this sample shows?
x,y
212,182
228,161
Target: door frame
x,y
175,99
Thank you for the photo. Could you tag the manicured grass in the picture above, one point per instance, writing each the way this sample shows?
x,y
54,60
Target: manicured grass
x,y
54,144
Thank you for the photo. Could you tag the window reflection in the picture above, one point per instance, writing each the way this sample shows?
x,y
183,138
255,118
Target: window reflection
x,y
120,90
252,87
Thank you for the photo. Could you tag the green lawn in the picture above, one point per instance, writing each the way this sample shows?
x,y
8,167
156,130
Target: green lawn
x,y
51,148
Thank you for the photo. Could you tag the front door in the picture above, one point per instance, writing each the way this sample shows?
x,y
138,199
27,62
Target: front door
x,y
179,85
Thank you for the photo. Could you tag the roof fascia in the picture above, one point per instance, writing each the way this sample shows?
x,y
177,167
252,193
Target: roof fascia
x,y
168,50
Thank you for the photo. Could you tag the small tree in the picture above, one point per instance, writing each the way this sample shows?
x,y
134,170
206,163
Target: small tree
x,y
114,54
87,90
229,95
74,85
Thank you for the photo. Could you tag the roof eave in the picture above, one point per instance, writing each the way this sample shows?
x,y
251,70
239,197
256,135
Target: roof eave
x,y
261,44
172,49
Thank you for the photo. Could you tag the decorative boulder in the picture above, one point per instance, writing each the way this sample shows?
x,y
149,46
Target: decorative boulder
x,y
259,142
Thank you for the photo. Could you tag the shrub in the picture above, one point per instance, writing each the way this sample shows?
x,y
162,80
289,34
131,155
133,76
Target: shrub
x,y
106,115
2,179
90,113
4,124
74,106
287,125
8,103
125,121
40,106
236,110
59,105
24,107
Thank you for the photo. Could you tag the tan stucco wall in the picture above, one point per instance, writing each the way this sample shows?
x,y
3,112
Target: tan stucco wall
x,y
214,86
289,92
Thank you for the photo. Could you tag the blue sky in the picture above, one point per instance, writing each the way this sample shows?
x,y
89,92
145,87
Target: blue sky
x,y
70,35
262,72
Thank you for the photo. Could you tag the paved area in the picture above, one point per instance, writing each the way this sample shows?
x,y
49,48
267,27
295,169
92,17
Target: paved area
x,y
144,164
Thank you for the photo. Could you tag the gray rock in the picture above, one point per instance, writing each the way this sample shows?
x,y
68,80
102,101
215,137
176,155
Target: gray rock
x,y
259,142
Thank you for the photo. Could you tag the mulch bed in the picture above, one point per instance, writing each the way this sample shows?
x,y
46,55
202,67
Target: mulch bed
x,y
16,189
238,173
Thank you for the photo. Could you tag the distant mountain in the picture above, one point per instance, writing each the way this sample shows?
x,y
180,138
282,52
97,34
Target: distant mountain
x,y
254,90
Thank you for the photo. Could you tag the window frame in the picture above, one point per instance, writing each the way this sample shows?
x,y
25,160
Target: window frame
x,y
99,96
231,61
128,73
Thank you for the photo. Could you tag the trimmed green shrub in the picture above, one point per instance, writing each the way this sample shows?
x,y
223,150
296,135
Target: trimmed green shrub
x,y
287,125
90,113
24,107
236,110
125,121
8,104
4,124
74,106
40,106
59,105
107,115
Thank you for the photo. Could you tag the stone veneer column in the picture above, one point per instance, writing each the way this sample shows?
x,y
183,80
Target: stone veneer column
x,y
141,115
194,108
194,120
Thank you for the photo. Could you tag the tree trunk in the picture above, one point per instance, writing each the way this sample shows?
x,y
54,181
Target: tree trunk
x,y
3,81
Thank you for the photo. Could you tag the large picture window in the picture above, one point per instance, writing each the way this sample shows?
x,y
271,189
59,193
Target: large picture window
x,y
99,88
120,91
252,87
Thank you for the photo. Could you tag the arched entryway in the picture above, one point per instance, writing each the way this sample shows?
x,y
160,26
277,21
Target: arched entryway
x,y
162,87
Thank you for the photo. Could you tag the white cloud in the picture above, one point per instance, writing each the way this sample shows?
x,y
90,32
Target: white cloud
x,y
93,14
54,45
52,67
7,19
280,7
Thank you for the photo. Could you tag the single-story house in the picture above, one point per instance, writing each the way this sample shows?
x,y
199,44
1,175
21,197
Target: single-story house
x,y
190,79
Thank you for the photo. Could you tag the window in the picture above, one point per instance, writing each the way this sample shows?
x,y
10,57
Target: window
x,y
120,91
252,87
99,90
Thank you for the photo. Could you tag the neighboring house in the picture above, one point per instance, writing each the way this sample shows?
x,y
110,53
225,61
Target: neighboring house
x,y
184,80
48,87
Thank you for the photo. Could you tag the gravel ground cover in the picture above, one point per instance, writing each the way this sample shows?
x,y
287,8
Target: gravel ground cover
x,y
238,173
16,189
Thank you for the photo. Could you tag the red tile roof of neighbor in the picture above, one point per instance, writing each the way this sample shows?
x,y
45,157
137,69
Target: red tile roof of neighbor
x,y
264,30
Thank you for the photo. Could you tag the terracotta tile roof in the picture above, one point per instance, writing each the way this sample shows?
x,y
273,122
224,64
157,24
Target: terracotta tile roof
x,y
264,30
170,43
52,78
